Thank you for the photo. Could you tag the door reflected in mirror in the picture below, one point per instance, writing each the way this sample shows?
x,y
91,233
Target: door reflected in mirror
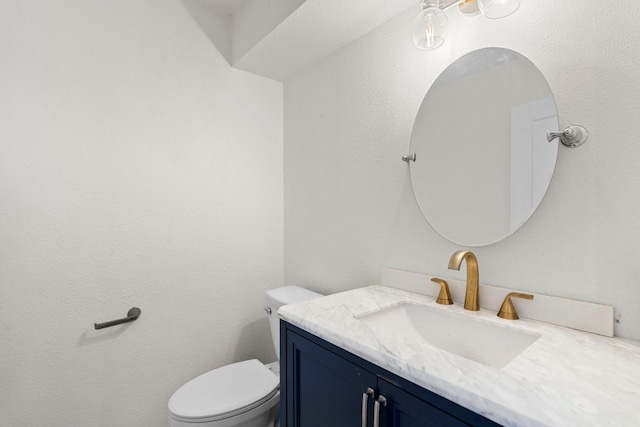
x,y
483,162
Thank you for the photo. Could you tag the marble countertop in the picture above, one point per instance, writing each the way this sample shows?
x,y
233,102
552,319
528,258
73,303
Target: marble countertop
x,y
565,378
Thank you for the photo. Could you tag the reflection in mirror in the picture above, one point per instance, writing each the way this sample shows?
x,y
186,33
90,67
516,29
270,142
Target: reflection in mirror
x,y
483,162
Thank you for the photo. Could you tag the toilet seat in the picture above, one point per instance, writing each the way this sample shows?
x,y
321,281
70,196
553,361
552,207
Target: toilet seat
x,y
224,392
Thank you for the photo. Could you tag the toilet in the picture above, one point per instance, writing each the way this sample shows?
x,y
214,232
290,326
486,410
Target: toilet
x,y
242,394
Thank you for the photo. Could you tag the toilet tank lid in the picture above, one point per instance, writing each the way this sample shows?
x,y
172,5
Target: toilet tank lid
x,y
278,297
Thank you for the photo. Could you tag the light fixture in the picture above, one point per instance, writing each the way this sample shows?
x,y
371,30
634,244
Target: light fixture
x,y
430,26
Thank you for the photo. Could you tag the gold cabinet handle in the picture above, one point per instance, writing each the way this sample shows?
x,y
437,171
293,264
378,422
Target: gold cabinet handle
x,y
444,297
507,310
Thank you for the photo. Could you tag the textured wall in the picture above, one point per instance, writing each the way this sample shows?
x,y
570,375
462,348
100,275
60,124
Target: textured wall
x,y
349,209
136,169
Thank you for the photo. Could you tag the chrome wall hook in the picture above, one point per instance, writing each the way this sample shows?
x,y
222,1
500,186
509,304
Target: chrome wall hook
x,y
409,158
573,136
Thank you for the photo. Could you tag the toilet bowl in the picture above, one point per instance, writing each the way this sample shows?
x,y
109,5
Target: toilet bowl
x,y
242,394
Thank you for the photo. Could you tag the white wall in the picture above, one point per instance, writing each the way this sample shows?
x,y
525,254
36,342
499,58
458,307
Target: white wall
x,y
349,209
136,169
255,20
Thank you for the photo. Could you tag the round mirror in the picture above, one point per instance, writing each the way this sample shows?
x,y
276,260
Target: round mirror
x,y
483,163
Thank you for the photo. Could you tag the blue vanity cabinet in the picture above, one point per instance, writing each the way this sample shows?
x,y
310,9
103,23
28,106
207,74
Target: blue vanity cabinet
x,y
322,385
322,388
406,410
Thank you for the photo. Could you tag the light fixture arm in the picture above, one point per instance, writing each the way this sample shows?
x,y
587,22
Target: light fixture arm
x,y
448,4
430,3
443,4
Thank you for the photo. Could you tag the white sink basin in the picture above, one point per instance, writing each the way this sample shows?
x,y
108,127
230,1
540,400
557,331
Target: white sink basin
x,y
474,339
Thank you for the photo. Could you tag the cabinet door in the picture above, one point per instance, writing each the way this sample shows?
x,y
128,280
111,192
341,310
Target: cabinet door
x,y
323,389
405,410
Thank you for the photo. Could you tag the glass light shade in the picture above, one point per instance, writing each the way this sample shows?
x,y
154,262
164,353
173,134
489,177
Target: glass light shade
x,y
495,9
469,8
429,28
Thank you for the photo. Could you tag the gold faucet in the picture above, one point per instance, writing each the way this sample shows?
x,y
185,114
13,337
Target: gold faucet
x,y
471,297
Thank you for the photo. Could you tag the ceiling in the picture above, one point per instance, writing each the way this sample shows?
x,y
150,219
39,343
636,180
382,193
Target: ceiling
x,y
277,38
230,7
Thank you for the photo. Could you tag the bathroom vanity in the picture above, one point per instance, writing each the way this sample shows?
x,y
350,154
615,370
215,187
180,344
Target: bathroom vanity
x,y
339,369
324,385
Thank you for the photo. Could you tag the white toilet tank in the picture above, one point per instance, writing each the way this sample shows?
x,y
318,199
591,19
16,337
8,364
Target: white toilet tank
x,y
278,297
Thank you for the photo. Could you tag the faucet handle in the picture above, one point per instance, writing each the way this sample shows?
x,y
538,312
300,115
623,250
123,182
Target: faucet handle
x,y
507,310
444,297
